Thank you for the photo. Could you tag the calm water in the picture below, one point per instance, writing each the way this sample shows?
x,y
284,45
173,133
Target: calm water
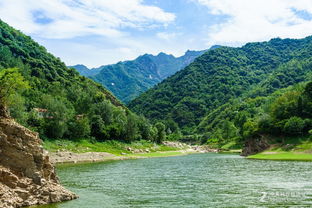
x,y
200,180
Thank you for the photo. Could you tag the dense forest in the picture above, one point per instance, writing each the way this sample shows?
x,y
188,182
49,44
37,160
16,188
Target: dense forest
x,y
59,103
226,96
285,113
223,74
128,79
229,95
243,117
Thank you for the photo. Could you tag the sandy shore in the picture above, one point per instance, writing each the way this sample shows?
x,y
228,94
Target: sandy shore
x,y
71,157
61,157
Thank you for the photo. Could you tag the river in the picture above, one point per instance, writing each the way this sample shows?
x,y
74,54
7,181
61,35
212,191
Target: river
x,y
198,180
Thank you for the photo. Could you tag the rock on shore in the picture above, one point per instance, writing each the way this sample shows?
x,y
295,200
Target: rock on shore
x,y
255,145
26,175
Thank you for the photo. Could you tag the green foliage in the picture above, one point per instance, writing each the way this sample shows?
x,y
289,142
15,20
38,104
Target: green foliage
x,y
18,109
250,128
294,126
111,146
205,90
161,132
60,103
128,79
131,127
97,127
285,112
79,128
285,105
11,81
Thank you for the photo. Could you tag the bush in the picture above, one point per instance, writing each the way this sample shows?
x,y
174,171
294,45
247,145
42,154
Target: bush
x,y
294,126
161,132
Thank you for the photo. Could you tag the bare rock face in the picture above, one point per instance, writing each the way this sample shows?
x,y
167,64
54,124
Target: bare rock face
x,y
255,145
26,175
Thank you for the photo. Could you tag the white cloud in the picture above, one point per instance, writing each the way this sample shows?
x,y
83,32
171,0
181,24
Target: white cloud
x,y
72,18
257,20
100,52
166,36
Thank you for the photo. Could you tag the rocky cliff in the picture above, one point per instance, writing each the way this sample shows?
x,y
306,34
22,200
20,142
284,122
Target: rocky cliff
x,y
26,175
255,145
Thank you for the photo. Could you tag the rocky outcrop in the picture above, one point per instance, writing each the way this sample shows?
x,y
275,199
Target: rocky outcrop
x,y
4,112
255,145
26,175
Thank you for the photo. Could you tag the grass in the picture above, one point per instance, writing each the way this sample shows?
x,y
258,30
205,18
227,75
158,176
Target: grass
x,y
282,156
291,148
113,147
231,147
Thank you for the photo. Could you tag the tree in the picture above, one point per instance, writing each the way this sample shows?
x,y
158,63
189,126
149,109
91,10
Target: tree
x,y
161,132
18,109
79,128
131,128
59,113
229,131
250,128
97,127
105,110
286,105
144,128
294,126
308,90
11,81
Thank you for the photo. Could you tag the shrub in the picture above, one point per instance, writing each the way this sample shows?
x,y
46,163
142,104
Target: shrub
x,y
294,126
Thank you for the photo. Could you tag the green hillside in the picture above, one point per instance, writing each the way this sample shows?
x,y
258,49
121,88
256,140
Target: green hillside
x,y
128,79
221,75
61,104
282,114
85,71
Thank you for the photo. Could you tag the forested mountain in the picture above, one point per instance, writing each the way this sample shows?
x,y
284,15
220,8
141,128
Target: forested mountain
x,y
128,79
284,113
59,103
221,75
85,71
225,95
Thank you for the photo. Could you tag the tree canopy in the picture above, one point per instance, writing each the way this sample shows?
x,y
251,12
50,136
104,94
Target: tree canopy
x,y
11,81
223,74
60,104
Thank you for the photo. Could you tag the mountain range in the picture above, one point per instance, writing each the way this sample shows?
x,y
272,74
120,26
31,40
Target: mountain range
x,y
128,79
224,95
224,74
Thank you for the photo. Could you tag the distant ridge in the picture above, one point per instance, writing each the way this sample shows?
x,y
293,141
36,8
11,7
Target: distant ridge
x,y
225,73
128,79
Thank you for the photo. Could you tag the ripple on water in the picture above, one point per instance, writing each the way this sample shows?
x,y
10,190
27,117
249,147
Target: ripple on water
x,y
199,180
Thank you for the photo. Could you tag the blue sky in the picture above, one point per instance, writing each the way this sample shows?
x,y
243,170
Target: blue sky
x,y
98,32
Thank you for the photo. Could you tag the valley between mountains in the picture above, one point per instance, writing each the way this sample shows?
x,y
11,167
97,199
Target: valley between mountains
x,y
254,100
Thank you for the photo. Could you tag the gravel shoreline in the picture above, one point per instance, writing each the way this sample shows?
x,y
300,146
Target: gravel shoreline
x,y
62,157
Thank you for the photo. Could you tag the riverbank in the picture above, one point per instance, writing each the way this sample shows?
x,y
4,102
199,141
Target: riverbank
x,y
195,180
61,151
292,149
290,156
88,157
